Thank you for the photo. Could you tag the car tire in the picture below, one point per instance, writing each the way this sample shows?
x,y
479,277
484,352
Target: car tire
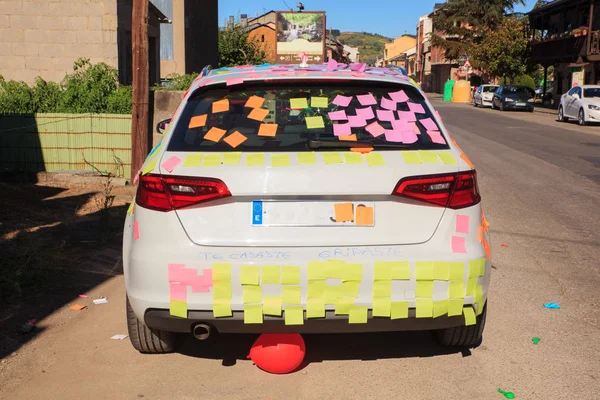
x,y
463,336
493,104
561,115
147,340
581,118
501,106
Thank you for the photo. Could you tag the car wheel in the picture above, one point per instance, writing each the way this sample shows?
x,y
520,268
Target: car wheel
x,y
463,336
474,103
581,118
561,115
501,106
147,340
493,104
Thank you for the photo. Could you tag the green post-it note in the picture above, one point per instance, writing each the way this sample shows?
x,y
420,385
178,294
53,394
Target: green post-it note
x,y
375,159
271,274
307,158
178,308
399,309
221,272
253,314
280,160
272,305
455,307
211,160
469,314
353,158
294,315
317,270
332,158
457,270
428,156
232,158
473,268
222,308
343,305
192,160
424,270
456,289
298,104
400,270
149,167
440,308
291,294
383,271
411,157
441,270
221,291
447,157
358,315
250,275
424,308
316,290
251,294
255,159
332,293
315,122
319,102
350,289
315,308
382,288
353,272
290,275
424,289
471,285
382,306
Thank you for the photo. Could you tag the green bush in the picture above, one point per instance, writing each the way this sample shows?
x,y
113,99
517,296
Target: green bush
x,y
177,82
523,80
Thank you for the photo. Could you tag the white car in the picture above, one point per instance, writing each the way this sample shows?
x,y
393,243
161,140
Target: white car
x,y
483,95
581,103
288,199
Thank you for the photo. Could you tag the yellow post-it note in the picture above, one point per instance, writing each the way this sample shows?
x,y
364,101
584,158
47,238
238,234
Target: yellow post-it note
x,y
383,271
471,285
253,159
291,294
428,156
332,158
192,160
178,308
335,269
298,104
424,270
221,308
332,293
482,267
469,314
280,160
272,305
315,122
290,275
198,121
343,305
441,270
457,270
268,130
251,294
424,289
235,139
221,291
456,289
149,167
400,270
353,272
350,289
424,308
365,216
399,309
319,102
271,274
250,275
131,207
253,314
315,308
455,307
258,114
478,294
411,157
215,134
343,212
220,106
232,158
473,268
317,270
254,102
358,315
307,158
375,159
316,290
294,315
211,160
353,158
382,288
221,272
382,306
447,158
440,308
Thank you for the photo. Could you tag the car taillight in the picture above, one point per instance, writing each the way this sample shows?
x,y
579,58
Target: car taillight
x,y
450,190
168,193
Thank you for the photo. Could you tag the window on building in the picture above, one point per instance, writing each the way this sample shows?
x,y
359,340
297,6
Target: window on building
x,y
262,38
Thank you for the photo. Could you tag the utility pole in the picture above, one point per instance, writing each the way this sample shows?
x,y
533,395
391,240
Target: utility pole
x,y
139,113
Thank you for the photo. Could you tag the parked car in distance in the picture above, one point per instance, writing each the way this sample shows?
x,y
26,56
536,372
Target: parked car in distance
x,y
483,95
582,103
549,91
512,97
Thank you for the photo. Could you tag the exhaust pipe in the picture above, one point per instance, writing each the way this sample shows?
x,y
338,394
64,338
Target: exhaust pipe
x,y
201,331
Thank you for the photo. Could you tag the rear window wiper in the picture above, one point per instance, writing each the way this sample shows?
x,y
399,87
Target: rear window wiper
x,y
315,144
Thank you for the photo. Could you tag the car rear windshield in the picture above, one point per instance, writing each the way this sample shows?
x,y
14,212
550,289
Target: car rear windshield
x,y
591,92
304,116
518,90
490,88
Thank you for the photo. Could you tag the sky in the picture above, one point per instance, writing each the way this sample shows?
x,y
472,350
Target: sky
x,y
389,18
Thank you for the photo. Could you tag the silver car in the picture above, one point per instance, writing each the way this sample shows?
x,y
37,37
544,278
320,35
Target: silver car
x,y
483,95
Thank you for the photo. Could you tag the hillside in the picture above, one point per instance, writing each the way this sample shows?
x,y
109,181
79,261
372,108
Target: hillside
x,y
370,45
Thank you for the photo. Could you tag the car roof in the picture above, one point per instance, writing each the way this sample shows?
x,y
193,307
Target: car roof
x,y
589,87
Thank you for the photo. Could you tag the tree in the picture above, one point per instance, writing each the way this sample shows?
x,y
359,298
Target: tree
x,y
236,48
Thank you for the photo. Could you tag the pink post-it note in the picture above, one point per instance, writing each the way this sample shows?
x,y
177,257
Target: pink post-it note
x,y
234,81
437,113
409,136
375,129
388,104
202,283
338,115
401,125
407,116
342,101
356,121
366,99
458,244
332,64
360,67
178,291
399,96
428,124
365,113
385,115
394,136
136,231
176,272
171,163
341,129
462,223
416,108
414,127
436,137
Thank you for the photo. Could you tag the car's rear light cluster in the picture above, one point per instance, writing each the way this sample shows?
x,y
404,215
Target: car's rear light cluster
x,y
166,193
449,190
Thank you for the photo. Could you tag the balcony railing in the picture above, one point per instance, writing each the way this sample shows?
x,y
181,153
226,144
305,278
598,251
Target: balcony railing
x,y
559,50
594,43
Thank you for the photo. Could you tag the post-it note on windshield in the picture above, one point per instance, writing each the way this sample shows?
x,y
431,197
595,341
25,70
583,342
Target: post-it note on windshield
x,y
399,309
192,160
364,216
232,158
307,158
258,114
290,275
319,102
215,134
365,113
221,308
353,158
385,115
315,308
338,115
375,129
220,106
388,104
298,104
294,315
272,305
342,130
211,160
399,96
356,121
428,124
251,294
411,157
197,121
358,315
416,108
366,99
343,212
269,130
375,159
447,158
458,244
428,156
254,102
462,223
315,122
280,160
342,101
253,314
249,275
235,139
332,158
255,159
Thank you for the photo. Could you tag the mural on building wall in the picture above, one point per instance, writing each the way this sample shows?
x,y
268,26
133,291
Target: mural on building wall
x,y
300,33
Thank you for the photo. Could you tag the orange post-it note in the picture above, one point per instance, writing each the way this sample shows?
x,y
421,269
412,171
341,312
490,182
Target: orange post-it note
x,y
364,215
363,150
235,139
343,212
258,114
220,106
254,102
77,307
348,138
197,121
267,130
215,134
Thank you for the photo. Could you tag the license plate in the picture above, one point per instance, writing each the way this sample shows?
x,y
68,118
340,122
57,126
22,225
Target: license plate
x,y
521,104
315,213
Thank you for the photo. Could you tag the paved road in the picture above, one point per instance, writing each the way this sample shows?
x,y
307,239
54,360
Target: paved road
x,y
539,181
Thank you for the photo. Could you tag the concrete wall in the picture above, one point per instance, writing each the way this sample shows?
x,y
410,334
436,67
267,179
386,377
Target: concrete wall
x,y
165,105
43,38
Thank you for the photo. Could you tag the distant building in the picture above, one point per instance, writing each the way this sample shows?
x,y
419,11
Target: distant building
x,y
262,31
423,52
352,53
441,69
393,52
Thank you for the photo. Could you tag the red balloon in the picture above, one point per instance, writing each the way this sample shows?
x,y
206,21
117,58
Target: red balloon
x,y
278,353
